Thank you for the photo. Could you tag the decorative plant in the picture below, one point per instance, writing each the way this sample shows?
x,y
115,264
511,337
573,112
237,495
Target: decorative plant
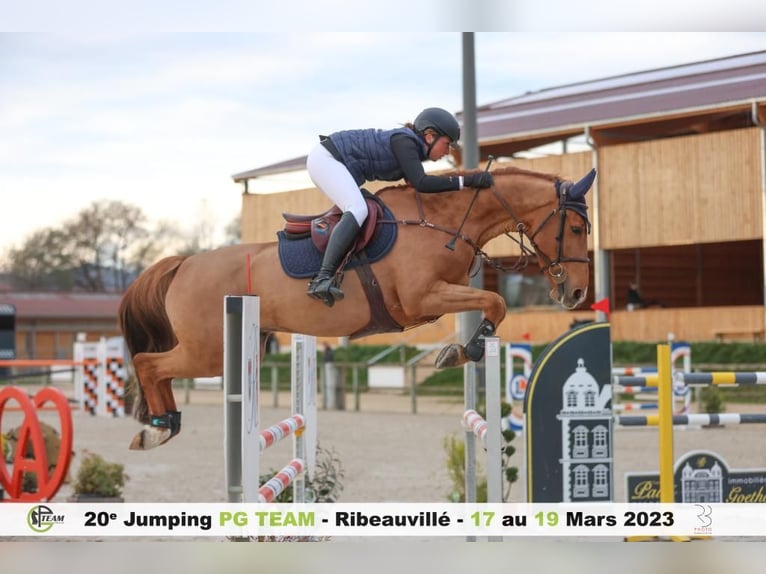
x,y
712,400
324,486
5,448
52,442
97,477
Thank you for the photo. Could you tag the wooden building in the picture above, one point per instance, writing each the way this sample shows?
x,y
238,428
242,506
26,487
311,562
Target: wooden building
x,y
47,324
678,207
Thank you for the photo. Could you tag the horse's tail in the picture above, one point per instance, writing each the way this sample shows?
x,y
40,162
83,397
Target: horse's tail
x,y
143,320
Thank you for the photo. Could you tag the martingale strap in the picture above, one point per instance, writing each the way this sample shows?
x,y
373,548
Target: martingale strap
x,y
380,319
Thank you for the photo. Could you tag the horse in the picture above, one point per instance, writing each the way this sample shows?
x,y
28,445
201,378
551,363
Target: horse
x,y
172,319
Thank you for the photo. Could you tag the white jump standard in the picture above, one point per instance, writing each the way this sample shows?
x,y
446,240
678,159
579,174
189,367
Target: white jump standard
x,y
244,441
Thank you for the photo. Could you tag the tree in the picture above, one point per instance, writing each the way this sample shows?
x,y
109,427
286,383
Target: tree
x,y
102,248
233,231
42,261
100,237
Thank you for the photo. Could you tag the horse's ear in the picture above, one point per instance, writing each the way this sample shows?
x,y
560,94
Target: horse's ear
x,y
579,189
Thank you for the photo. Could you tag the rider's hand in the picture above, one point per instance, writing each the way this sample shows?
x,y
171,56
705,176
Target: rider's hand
x,y
481,180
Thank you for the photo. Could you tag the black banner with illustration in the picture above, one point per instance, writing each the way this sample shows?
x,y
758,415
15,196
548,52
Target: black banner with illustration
x,y
568,425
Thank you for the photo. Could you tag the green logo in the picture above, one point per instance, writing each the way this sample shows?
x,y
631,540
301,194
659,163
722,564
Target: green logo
x,y
41,518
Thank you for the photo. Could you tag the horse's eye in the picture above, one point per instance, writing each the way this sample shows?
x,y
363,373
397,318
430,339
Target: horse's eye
x,y
577,229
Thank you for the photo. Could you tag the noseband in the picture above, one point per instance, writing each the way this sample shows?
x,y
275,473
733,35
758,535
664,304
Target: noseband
x,y
554,267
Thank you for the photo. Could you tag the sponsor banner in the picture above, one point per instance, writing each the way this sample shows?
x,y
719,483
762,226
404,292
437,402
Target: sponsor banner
x,y
380,519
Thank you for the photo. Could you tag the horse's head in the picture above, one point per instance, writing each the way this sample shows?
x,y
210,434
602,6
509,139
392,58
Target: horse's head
x,y
560,240
558,232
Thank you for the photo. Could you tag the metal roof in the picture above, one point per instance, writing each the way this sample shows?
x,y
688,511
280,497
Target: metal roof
x,y
552,114
289,165
30,305
708,84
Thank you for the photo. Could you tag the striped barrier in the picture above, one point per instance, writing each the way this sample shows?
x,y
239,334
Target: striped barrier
x,y
619,407
701,419
713,483
282,429
280,481
632,390
721,378
100,374
100,385
634,380
476,424
243,440
633,371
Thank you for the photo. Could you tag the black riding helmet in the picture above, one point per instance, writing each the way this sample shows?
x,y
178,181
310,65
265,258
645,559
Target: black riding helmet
x,y
439,120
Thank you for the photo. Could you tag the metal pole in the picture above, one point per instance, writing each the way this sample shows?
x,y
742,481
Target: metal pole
x,y
467,321
494,432
665,412
601,271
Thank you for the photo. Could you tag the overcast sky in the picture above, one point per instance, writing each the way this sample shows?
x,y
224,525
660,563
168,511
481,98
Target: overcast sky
x,y
163,120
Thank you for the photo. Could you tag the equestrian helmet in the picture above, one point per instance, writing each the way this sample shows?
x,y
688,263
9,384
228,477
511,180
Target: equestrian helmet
x,y
439,120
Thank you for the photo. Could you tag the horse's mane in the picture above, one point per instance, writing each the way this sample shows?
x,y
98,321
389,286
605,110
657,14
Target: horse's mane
x,y
510,170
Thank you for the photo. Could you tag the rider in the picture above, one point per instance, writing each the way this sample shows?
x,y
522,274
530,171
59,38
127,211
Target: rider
x,y
344,160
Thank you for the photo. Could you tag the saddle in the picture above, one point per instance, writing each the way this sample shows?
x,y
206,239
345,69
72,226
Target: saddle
x,y
320,226
303,241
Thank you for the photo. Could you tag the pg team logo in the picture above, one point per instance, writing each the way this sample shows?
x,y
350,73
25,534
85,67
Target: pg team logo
x,y
41,518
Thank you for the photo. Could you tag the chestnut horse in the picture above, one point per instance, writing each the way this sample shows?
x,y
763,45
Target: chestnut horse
x,y
172,315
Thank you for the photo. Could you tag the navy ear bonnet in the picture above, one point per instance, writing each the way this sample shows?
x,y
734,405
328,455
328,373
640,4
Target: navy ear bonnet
x,y
574,194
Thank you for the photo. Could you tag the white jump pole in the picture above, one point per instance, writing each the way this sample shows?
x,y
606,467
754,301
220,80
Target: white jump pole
x,y
241,378
243,439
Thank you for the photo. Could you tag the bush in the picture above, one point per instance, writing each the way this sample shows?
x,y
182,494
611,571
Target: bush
x,y
95,476
712,400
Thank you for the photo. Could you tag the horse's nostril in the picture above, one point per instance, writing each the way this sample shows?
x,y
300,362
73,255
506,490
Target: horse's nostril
x,y
578,295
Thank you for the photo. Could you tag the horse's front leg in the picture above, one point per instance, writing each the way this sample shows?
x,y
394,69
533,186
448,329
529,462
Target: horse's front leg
x,y
450,298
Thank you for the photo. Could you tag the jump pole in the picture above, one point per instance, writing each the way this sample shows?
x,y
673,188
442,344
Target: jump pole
x,y
665,411
243,439
488,430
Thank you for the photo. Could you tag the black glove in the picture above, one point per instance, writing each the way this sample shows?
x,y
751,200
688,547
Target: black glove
x,y
481,180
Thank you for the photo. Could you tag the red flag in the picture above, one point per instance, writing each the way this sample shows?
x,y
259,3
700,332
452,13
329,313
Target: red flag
x,y
602,305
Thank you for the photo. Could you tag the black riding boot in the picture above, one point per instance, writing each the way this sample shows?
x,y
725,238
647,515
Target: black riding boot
x,y
323,286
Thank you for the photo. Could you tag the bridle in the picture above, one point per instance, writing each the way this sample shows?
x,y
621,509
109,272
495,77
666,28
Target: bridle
x,y
554,267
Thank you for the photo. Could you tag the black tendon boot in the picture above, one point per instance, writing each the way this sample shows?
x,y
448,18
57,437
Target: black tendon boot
x,y
323,285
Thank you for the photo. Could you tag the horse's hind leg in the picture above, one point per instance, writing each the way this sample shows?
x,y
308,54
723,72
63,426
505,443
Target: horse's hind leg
x,y
155,372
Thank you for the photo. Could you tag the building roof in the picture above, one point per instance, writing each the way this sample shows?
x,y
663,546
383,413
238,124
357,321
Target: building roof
x,y
63,305
665,102
272,169
691,89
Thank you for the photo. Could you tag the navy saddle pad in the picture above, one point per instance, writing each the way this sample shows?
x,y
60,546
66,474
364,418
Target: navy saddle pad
x,y
300,258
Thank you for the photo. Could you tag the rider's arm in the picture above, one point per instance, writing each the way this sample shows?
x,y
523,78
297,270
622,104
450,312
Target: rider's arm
x,y
406,153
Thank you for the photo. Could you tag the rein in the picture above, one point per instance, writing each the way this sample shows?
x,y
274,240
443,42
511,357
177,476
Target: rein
x,y
553,266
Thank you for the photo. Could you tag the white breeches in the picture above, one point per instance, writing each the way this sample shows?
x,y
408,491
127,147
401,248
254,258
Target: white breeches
x,y
334,180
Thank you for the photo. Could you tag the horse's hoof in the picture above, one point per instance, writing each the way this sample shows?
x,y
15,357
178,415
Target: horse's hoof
x,y
150,437
451,356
